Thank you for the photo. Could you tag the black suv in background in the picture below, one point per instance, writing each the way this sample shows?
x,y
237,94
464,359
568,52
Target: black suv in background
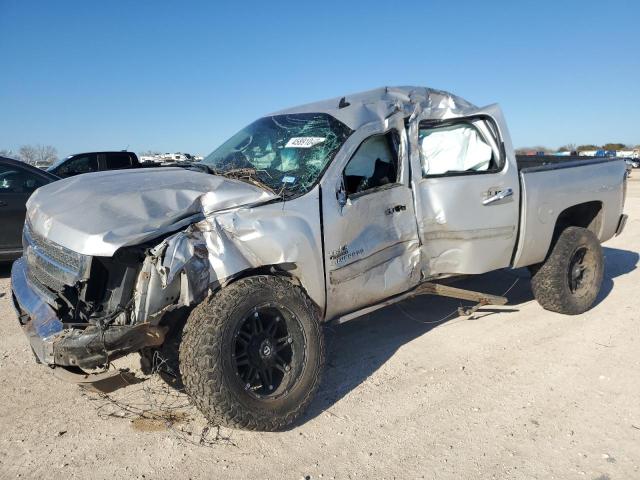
x,y
17,182
94,162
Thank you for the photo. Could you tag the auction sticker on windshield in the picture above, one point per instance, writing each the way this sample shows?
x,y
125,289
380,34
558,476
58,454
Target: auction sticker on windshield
x,y
304,142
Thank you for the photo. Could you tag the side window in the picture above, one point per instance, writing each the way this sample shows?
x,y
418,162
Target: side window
x,y
118,160
80,164
455,148
374,164
16,180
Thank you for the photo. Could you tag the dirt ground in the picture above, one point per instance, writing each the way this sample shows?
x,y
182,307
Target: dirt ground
x,y
514,392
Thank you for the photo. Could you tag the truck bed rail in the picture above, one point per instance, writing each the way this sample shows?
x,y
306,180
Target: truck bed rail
x,y
532,163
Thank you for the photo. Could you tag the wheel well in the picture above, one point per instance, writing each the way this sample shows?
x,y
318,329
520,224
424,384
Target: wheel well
x,y
283,270
585,215
277,270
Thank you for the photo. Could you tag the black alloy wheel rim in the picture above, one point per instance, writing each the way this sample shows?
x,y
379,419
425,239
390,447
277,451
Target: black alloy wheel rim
x,y
579,271
268,351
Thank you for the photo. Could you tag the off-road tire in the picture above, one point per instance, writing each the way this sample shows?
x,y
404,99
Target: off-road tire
x,y
206,353
551,283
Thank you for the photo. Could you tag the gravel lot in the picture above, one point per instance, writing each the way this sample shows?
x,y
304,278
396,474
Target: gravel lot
x,y
515,392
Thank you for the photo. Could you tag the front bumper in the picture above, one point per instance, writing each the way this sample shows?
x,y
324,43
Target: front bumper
x,y
54,344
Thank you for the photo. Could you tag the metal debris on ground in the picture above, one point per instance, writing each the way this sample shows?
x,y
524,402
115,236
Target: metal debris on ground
x,y
155,405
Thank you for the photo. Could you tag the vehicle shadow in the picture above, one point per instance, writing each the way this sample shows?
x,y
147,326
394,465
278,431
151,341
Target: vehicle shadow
x,y
358,348
5,269
617,262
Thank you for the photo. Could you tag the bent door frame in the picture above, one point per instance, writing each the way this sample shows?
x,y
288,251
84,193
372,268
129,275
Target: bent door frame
x,y
458,233
398,267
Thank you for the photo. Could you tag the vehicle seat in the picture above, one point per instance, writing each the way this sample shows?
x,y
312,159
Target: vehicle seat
x,y
381,173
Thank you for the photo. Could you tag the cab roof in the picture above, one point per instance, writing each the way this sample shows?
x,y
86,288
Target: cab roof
x,y
358,109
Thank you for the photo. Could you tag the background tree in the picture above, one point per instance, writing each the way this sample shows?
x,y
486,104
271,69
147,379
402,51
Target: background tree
x,y
46,155
38,155
582,148
8,153
569,147
536,149
541,148
614,146
28,154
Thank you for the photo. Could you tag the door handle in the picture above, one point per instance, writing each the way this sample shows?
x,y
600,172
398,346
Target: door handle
x,y
396,208
3,203
501,195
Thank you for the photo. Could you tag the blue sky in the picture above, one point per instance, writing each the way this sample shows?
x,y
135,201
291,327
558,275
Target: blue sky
x,y
183,76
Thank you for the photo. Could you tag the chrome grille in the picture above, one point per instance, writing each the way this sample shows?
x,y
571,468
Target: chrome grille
x,y
59,254
39,276
51,267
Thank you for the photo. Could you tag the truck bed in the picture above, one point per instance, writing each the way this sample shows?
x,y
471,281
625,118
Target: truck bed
x,y
550,184
529,163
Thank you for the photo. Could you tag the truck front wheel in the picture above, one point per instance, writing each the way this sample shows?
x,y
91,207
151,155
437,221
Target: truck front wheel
x,y
569,280
252,354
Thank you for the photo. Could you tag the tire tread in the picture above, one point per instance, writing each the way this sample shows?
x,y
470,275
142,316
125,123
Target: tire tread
x,y
201,356
548,280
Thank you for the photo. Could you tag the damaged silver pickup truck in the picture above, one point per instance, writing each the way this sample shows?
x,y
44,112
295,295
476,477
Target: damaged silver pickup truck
x,y
316,213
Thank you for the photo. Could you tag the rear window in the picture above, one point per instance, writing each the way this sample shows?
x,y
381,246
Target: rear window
x,y
118,160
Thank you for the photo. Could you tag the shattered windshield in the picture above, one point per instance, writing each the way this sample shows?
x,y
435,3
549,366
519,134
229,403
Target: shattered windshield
x,y
286,153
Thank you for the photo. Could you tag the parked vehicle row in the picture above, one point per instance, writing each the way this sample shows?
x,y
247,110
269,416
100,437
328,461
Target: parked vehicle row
x,y
101,161
94,162
317,213
632,162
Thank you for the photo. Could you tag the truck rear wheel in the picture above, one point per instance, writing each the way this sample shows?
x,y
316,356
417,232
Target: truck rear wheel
x,y
252,354
569,280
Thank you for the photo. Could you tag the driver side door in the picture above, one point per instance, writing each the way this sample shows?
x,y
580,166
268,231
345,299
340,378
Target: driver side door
x,y
370,232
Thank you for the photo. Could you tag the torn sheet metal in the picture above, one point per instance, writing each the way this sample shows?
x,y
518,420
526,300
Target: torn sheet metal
x,y
371,242
93,347
224,245
379,104
460,234
186,254
97,213
52,343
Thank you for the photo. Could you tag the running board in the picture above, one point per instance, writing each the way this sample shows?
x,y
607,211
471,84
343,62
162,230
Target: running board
x,y
481,299
429,288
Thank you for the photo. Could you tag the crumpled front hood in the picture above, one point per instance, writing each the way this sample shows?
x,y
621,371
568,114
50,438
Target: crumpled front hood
x,y
97,213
